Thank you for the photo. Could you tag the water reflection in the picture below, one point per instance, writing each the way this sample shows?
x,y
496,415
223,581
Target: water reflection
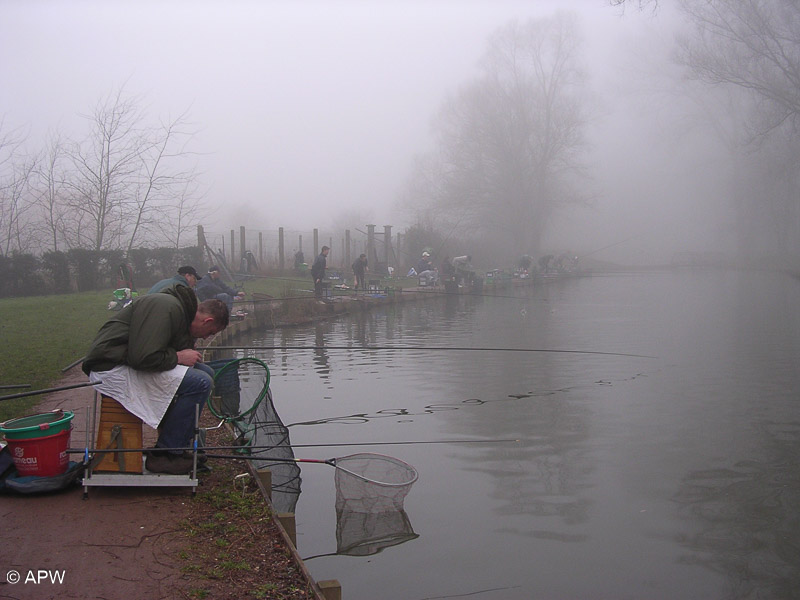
x,y
370,516
609,445
748,518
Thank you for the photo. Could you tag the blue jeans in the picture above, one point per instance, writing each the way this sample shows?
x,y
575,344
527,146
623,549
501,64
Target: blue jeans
x,y
177,426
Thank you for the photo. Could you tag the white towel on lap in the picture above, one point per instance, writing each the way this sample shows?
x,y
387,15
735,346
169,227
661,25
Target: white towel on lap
x,y
147,394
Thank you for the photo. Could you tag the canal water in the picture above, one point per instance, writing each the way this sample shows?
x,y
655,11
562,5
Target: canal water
x,y
657,452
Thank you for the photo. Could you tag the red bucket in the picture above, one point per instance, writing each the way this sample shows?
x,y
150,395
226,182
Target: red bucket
x,y
42,456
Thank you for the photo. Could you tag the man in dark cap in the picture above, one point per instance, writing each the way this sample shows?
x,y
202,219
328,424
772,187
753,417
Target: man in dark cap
x,y
211,286
186,276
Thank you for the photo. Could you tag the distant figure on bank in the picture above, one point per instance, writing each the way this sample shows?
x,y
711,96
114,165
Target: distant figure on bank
x,y
318,271
211,286
360,269
462,266
299,259
425,269
144,358
186,276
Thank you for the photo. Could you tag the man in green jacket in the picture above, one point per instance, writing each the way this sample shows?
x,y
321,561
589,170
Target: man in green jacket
x,y
145,358
186,276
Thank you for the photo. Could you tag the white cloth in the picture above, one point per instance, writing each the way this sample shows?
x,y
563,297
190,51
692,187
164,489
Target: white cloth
x,y
147,394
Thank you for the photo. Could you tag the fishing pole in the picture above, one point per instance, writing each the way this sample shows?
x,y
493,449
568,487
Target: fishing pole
x,y
47,391
433,348
291,446
610,246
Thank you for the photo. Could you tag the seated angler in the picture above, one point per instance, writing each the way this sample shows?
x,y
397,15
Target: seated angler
x,y
145,358
212,286
186,276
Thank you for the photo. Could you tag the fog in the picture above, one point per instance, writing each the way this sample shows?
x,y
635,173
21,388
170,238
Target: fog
x,y
309,110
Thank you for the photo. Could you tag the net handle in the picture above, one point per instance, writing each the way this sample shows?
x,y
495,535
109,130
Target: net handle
x,y
333,463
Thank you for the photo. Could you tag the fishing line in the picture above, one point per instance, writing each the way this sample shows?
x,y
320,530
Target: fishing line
x,y
433,348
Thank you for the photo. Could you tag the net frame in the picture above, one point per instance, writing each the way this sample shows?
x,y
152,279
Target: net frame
x,y
225,370
379,469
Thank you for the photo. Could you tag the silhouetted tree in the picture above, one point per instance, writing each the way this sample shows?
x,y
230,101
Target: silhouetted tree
x,y
509,143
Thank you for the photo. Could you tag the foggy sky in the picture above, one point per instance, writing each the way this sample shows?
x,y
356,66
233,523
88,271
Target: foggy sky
x,y
310,109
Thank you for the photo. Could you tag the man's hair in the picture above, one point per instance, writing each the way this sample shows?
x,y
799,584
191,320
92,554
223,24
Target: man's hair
x,y
215,309
324,248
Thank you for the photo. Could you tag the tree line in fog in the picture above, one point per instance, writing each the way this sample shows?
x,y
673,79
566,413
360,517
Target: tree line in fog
x,y
129,181
510,145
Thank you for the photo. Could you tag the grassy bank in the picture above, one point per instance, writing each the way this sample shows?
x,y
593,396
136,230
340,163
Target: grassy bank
x,y
40,336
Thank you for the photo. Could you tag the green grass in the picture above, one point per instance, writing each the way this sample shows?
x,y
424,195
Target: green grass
x,y
40,336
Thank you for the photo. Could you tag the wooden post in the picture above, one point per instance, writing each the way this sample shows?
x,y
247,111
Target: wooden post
x,y
331,589
316,243
233,249
387,243
281,251
288,522
265,475
372,256
242,258
347,261
261,249
201,238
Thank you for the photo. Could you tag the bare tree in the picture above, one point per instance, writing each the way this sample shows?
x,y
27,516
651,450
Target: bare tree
x,y
106,167
508,142
15,205
16,176
753,46
182,213
164,186
750,44
52,193
127,175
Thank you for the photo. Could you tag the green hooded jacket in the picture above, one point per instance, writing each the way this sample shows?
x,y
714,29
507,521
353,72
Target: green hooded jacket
x,y
147,334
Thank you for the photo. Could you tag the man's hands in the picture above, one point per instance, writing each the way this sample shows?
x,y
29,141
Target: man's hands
x,y
189,357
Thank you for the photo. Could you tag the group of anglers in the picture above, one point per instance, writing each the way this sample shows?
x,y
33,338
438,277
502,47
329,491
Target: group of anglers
x,y
458,269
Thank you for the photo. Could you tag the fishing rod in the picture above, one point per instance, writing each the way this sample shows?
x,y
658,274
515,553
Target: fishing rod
x,y
48,390
433,348
610,246
292,446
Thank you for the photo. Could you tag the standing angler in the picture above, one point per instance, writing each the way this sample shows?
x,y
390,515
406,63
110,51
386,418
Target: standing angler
x,y
318,271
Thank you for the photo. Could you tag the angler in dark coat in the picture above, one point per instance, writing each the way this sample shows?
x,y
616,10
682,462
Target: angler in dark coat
x,y
318,271
144,358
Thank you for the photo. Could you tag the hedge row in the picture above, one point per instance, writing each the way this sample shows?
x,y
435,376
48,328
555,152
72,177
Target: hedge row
x,y
83,270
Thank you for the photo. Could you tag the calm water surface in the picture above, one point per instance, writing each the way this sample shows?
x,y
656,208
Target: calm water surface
x,y
676,476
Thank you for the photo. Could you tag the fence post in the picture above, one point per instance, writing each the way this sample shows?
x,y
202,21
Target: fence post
x,y
387,243
316,242
281,255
